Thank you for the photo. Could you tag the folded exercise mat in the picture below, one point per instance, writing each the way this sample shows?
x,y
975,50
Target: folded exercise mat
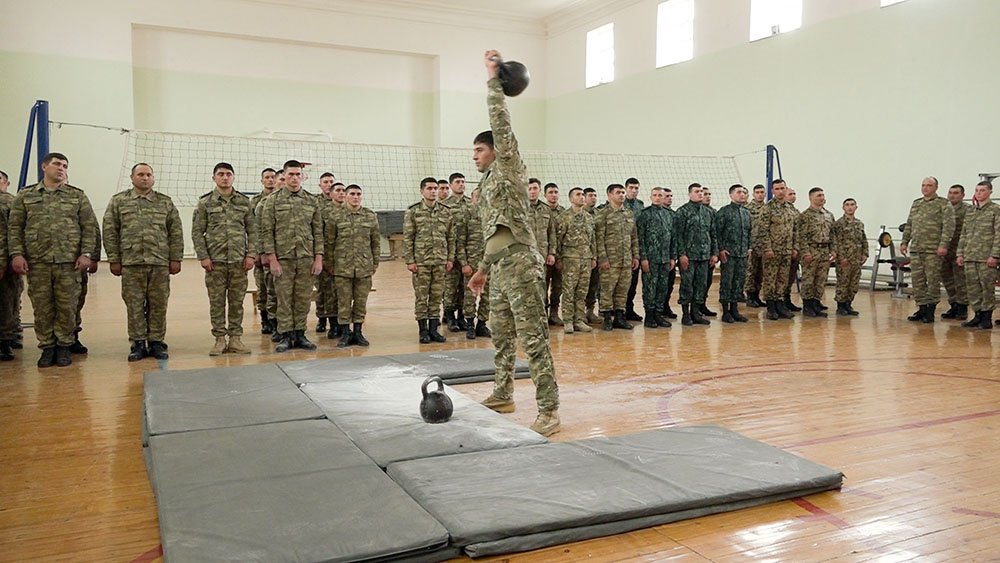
x,y
181,401
285,492
495,502
382,416
452,365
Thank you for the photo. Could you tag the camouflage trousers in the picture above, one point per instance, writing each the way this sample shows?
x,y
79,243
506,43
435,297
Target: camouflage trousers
x,y
294,289
814,275
517,301
554,285
671,282
694,283
953,278
54,290
925,276
633,286
227,286
733,278
454,290
84,285
654,286
469,308
793,275
775,276
593,288
755,273
980,282
428,289
145,291
11,287
262,277
576,282
327,296
271,299
614,287
709,278
352,298
847,280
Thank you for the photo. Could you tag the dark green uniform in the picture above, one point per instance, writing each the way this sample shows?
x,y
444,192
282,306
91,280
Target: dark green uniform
x,y
732,227
696,241
658,246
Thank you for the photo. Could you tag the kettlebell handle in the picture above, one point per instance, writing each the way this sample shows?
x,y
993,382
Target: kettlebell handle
x,y
423,388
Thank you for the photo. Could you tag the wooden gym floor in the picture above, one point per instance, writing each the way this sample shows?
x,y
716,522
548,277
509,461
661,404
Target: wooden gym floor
x,y
909,412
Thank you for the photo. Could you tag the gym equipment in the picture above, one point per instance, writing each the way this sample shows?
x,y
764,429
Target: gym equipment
x,y
899,264
514,76
435,407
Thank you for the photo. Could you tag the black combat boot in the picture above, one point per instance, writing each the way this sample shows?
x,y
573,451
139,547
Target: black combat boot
x,y
819,306
286,341
64,356
321,324
138,351
6,352
697,317
704,310
346,337
482,329
158,350
631,315
772,311
425,337
789,305
974,322
275,335
918,315
470,332
432,331
850,309
608,323
452,320
808,309
668,312
727,315
48,357
753,300
952,311
619,320
77,347
686,314
650,320
842,309
779,306
265,323
929,313
662,321
734,310
963,311
302,342
463,323
986,323
742,298
359,338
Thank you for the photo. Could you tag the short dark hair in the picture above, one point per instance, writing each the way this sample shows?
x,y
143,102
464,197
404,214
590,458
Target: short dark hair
x,y
960,187
759,187
693,186
335,184
327,175
814,190
668,190
353,187
223,166
445,182
849,199
987,184
589,191
632,181
734,187
484,138
52,155
136,165
549,186
428,180
454,176
614,187
266,170
534,181
574,190
291,164
4,175
777,181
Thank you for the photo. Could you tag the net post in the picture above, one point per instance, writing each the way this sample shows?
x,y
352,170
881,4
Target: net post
x,y
769,173
42,131
22,178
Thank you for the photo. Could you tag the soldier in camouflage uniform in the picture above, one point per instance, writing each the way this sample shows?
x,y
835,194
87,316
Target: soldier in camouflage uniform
x,y
777,225
697,250
617,256
953,275
455,280
657,256
261,271
577,248
145,245
326,290
930,226
594,286
353,248
52,232
513,264
292,231
668,312
10,283
477,317
429,251
635,205
269,296
732,231
706,200
77,347
543,223
979,254
850,248
755,264
224,233
330,210
811,241
793,272
553,277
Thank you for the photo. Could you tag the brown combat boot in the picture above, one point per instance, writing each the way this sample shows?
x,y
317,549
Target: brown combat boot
x,y
220,346
236,346
499,405
547,423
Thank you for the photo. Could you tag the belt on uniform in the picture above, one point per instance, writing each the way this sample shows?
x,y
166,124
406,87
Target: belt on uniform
x,y
505,252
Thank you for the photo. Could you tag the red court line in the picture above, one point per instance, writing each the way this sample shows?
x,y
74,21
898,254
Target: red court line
x,y
980,513
891,429
817,513
150,555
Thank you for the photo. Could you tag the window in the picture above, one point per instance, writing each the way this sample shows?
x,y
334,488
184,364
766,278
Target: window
x,y
601,55
674,32
890,2
771,17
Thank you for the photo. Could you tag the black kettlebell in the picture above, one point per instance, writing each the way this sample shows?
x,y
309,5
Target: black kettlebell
x,y
436,406
513,76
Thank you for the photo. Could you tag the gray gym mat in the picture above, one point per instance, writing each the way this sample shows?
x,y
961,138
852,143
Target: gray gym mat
x,y
453,366
286,492
181,401
495,502
382,416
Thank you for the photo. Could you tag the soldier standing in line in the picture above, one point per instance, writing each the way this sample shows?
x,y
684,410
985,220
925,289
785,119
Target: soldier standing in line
x,y
261,271
777,224
95,259
293,242
428,250
10,283
755,264
330,211
697,250
635,205
811,241
543,224
353,248
443,190
732,231
617,256
576,246
224,233
145,245
979,253
706,200
478,317
850,246
455,280
594,286
657,256
953,275
513,264
51,234
793,272
553,277
668,312
930,226
325,289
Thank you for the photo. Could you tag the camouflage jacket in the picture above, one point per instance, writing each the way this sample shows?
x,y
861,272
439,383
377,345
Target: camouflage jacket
x,y
475,246
732,229
52,225
960,212
353,243
777,227
695,238
617,240
813,232
292,225
142,230
848,238
981,233
755,209
428,235
575,235
258,212
657,241
930,225
224,230
6,200
544,227
460,225
635,206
